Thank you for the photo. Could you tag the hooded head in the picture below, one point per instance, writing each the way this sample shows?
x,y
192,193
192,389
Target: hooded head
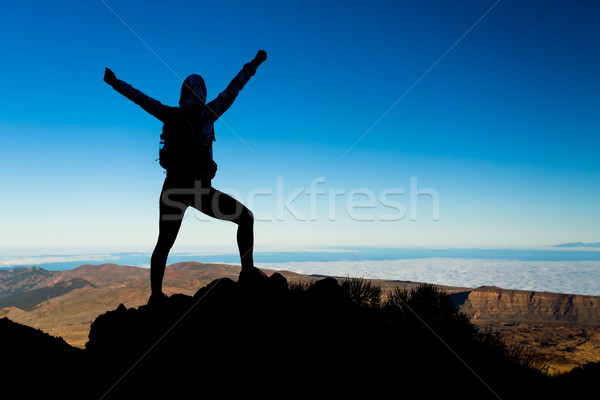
x,y
193,92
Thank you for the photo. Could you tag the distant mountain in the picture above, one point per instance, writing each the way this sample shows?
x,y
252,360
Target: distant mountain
x,y
27,301
579,244
18,280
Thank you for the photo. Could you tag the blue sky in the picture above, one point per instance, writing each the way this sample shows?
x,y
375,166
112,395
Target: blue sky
x,y
500,137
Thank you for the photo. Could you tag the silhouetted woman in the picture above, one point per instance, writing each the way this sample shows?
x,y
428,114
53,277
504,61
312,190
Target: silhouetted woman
x,y
188,180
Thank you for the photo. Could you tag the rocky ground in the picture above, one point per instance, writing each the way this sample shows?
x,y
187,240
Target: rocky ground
x,y
563,346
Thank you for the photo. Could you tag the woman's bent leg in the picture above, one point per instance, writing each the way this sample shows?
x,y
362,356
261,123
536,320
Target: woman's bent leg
x,y
245,239
224,207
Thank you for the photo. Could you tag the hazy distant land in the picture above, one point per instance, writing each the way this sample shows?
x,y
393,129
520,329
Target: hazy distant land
x,y
579,244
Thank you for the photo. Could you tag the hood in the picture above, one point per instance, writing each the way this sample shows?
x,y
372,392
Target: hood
x,y
193,92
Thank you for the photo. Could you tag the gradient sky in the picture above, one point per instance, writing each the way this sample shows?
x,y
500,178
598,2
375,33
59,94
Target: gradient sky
x,y
502,129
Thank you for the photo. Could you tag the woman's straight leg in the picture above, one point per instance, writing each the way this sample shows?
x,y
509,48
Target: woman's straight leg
x,y
175,197
166,238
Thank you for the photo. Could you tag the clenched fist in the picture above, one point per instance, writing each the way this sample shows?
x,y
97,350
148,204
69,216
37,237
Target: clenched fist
x,y
109,76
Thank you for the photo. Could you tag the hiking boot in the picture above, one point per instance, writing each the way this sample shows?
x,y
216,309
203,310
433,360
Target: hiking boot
x,y
250,275
157,300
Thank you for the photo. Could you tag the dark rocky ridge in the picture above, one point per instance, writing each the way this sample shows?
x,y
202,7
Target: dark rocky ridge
x,y
271,340
36,364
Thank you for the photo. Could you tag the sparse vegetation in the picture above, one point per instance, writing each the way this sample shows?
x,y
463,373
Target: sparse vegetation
x,y
298,287
362,292
425,317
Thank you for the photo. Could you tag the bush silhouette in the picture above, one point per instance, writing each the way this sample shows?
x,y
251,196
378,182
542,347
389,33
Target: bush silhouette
x,y
362,292
439,345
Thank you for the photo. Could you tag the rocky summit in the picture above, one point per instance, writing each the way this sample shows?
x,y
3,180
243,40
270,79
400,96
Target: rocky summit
x,y
243,338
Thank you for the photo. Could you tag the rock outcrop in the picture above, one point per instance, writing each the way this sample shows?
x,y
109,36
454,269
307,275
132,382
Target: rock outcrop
x,y
242,339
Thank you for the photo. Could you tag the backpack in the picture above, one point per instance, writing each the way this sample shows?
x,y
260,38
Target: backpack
x,y
181,151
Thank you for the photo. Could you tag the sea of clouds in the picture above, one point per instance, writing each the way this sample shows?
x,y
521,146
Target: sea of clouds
x,y
573,277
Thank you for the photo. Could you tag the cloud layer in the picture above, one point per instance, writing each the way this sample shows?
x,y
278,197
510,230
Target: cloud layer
x,y
574,277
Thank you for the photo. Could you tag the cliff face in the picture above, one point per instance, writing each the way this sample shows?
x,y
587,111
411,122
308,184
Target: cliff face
x,y
502,305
